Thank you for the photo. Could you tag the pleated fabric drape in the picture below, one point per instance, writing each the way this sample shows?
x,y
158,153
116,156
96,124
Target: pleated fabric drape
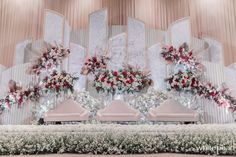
x,y
22,19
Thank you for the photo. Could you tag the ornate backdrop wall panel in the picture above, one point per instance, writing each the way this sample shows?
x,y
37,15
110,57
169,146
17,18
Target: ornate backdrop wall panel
x,y
53,27
77,55
117,49
20,49
179,32
98,32
157,66
216,51
136,43
22,19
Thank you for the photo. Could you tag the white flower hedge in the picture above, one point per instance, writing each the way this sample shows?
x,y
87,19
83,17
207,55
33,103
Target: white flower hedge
x,y
118,139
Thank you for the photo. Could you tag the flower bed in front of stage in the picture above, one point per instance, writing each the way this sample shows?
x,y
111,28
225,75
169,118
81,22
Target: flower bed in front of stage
x,y
118,139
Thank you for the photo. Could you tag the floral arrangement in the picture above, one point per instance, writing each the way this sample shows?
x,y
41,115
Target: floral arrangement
x,y
88,102
182,56
59,82
17,95
183,81
12,98
33,93
127,80
106,139
144,102
189,79
51,58
94,64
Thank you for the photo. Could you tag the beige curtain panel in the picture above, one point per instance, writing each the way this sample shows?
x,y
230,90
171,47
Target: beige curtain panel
x,y
22,19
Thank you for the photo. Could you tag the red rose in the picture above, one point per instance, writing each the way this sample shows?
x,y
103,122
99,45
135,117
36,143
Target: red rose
x,y
180,49
112,84
131,80
94,59
57,88
128,82
115,73
103,79
190,53
176,86
124,73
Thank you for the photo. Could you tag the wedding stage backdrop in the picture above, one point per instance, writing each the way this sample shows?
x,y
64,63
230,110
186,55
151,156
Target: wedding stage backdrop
x,y
21,19
124,40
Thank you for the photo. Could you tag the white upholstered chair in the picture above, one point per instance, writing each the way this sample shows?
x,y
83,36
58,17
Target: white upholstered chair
x,y
118,111
66,111
172,111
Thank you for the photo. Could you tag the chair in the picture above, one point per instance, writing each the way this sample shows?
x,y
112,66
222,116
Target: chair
x,y
118,111
66,111
172,111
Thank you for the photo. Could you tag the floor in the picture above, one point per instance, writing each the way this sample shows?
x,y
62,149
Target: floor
x,y
151,155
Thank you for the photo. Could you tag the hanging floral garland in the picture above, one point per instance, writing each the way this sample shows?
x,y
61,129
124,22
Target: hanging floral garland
x,y
59,82
33,93
188,80
51,58
127,80
18,95
183,56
